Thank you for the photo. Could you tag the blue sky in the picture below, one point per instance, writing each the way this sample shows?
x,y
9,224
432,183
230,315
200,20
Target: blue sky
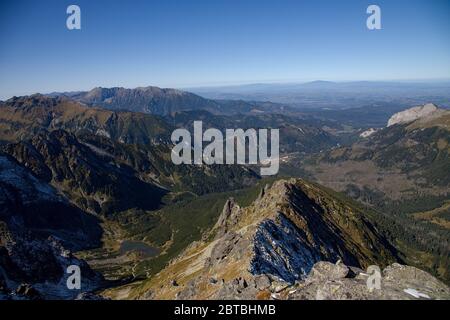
x,y
175,43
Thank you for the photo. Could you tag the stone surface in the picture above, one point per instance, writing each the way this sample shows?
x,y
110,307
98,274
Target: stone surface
x,y
412,114
323,271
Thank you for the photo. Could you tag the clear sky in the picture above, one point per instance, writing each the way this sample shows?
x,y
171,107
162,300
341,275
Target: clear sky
x,y
175,43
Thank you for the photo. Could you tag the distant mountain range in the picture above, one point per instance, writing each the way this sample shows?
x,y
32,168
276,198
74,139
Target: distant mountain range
x,y
268,249
376,87
371,102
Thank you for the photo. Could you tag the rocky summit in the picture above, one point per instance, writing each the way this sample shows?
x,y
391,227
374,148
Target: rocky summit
x,y
412,114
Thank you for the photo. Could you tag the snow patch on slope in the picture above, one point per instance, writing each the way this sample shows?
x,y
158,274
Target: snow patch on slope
x,y
280,249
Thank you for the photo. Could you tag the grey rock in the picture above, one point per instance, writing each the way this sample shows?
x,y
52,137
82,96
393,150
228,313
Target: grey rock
x,y
188,292
281,250
323,271
398,283
237,289
412,114
224,247
262,282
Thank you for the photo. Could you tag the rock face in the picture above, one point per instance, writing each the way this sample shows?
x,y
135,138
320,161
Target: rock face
x,y
36,268
263,249
35,225
27,203
228,218
412,114
281,250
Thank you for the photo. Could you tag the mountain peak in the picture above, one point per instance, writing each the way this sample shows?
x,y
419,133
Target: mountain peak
x,y
276,240
150,99
412,114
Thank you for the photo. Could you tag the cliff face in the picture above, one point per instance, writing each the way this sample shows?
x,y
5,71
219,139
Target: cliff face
x,y
272,244
37,225
33,267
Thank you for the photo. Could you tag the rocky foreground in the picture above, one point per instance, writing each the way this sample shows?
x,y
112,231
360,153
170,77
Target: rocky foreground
x,y
329,281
